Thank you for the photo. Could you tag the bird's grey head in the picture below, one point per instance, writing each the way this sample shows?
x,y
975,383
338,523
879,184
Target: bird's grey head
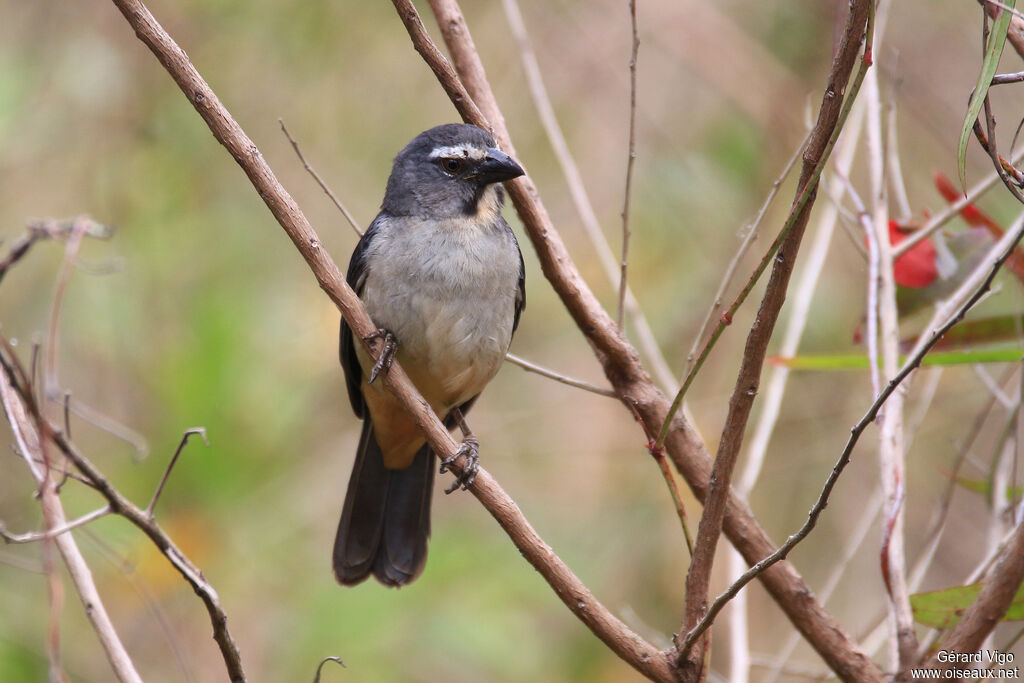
x,y
450,171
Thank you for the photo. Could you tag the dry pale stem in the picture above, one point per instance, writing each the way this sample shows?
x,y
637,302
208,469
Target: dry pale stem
x,y
224,128
748,380
30,445
620,360
992,602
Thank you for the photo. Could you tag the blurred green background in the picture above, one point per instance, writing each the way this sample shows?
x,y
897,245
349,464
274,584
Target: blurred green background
x,y
200,312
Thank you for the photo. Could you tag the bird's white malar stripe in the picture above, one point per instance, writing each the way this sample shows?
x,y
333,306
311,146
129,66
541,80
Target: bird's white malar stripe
x,y
466,151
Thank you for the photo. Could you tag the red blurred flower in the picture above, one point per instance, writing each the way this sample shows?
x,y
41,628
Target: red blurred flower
x,y
916,268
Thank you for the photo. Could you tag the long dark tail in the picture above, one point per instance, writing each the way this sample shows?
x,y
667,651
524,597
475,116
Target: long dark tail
x,y
386,519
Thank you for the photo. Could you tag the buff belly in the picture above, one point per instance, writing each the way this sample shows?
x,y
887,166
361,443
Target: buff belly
x,y
453,323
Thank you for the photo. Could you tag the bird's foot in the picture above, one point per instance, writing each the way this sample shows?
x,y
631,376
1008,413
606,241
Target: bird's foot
x,y
387,352
471,449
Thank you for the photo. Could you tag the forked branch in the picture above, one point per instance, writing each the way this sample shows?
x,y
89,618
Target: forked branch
x,y
226,130
619,359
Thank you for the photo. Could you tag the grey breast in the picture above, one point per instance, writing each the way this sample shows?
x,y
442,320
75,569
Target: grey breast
x,y
446,290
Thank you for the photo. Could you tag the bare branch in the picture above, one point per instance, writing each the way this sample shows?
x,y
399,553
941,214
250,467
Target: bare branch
x,y
319,180
34,536
49,228
50,382
109,425
831,118
871,325
630,379
551,374
13,381
201,431
1003,250
288,214
949,212
546,112
893,162
320,666
630,161
995,597
751,230
891,451
31,446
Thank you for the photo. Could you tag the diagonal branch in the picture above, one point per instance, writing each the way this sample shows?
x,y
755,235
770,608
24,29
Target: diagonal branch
x,y
226,130
13,376
995,597
31,446
648,345
620,360
835,106
630,161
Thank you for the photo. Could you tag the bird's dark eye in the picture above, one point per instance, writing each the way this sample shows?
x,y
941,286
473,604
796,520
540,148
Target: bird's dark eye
x,y
450,165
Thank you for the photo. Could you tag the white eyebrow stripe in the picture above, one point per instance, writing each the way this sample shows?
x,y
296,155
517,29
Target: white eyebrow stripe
x,y
457,151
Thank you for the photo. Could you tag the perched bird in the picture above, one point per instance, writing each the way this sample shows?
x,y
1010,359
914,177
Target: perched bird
x,y
441,275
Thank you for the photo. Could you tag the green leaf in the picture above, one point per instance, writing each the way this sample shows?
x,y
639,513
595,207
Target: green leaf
x,y
993,50
943,608
1000,328
985,487
850,361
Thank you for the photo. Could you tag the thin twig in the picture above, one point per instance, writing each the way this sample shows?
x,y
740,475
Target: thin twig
x,y
32,448
832,117
35,536
871,315
666,472
797,213
67,413
319,180
128,569
48,433
893,161
577,191
949,212
772,401
19,249
227,131
751,231
52,510
320,666
558,377
995,597
993,387
50,381
891,450
677,499
201,431
806,191
630,161
853,539
74,231
106,423
1005,247
621,362
49,228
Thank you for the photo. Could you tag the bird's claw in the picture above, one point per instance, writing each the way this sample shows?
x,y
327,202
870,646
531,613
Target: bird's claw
x,y
471,449
387,353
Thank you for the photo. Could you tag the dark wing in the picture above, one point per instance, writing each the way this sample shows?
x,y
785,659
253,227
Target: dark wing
x,y
357,269
521,293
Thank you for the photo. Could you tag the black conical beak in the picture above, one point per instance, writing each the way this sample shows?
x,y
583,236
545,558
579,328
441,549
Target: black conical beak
x,y
497,167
